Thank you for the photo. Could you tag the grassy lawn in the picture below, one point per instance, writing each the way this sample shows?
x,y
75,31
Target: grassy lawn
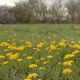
x,y
30,31
40,52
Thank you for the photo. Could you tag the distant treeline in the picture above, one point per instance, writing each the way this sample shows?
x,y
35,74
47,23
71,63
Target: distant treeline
x,y
36,11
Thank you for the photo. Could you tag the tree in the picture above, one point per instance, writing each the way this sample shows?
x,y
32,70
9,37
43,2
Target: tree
x,y
6,16
72,8
30,11
55,11
78,11
21,13
38,10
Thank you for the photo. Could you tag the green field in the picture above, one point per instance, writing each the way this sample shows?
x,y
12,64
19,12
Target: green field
x,y
40,52
29,31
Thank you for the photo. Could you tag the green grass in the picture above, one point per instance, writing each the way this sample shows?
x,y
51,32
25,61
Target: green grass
x,y
30,31
17,34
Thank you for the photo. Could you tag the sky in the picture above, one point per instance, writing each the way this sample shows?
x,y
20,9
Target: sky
x,y
11,2
8,2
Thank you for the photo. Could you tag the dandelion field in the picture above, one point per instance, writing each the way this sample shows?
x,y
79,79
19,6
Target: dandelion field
x,y
40,52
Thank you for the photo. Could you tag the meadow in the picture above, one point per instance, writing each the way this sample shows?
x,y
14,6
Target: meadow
x,y
40,52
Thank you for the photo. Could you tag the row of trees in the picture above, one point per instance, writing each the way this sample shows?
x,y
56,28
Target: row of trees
x,y
37,11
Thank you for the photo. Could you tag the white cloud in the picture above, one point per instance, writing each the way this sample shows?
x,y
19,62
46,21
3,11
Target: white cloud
x,y
12,2
49,1
8,2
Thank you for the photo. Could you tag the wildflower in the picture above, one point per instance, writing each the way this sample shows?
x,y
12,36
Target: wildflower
x,y
76,46
5,62
68,56
29,57
51,48
62,43
14,56
40,45
31,76
37,49
27,79
49,56
9,54
45,62
67,71
4,44
75,52
2,57
32,65
12,47
21,48
19,60
68,63
28,44
42,68
39,79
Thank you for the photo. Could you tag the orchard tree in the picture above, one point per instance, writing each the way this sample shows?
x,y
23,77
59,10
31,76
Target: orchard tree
x,y
6,16
72,8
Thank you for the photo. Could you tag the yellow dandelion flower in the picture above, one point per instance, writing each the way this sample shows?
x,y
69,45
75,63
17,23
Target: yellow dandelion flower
x,y
4,44
5,62
27,79
19,60
53,47
37,49
2,57
32,75
32,65
67,71
49,56
29,57
9,54
40,45
62,43
76,46
14,56
42,68
45,62
40,79
75,52
28,44
21,48
68,56
68,63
